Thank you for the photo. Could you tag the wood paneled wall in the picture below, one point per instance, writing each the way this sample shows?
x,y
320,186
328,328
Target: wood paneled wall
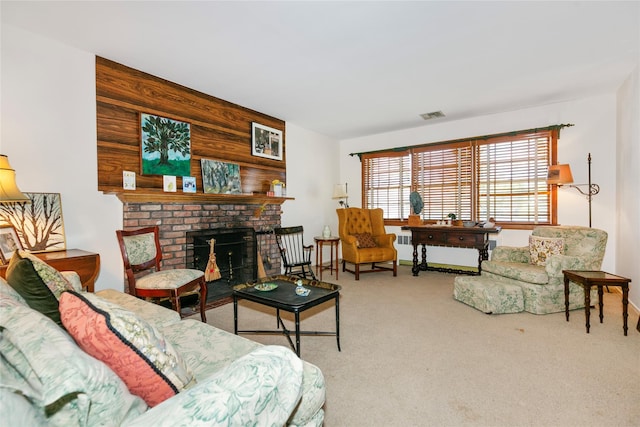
x,y
220,130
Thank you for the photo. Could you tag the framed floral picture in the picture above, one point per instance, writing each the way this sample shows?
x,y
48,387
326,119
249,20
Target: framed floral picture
x,y
266,141
9,242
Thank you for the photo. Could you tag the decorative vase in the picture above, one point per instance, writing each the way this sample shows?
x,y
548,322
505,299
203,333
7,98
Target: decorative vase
x,y
326,232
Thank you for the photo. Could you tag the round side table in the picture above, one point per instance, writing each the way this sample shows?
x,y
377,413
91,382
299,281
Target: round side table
x,y
333,242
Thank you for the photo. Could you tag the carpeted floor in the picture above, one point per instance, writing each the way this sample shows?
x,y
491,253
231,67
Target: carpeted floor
x,y
413,356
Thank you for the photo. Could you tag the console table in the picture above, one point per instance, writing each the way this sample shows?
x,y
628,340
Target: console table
x,y
459,237
86,264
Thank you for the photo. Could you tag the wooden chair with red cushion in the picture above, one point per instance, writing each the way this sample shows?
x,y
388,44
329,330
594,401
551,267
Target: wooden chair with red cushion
x,y
141,253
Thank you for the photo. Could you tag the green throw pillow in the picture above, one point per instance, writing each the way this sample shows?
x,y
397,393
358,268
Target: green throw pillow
x,y
23,277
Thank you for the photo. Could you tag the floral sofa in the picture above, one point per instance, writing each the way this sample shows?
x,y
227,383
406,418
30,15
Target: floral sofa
x,y
194,375
530,278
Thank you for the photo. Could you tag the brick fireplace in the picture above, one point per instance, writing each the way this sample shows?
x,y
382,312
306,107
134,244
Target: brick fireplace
x,y
176,219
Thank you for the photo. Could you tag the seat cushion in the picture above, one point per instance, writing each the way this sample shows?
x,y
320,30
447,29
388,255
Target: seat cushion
x,y
168,279
148,364
523,272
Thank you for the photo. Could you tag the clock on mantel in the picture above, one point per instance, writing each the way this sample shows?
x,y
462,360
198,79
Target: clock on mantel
x,y
159,196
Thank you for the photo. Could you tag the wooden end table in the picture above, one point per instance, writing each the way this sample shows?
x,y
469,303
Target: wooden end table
x,y
587,279
333,242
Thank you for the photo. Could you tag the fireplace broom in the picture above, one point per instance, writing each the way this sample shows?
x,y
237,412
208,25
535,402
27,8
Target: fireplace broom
x,y
212,272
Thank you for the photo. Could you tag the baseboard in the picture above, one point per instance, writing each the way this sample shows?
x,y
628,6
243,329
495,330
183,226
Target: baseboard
x,y
443,266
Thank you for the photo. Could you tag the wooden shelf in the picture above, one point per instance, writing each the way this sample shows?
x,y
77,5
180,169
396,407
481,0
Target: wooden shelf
x,y
159,196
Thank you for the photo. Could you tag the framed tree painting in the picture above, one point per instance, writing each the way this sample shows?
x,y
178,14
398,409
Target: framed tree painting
x,y
266,141
166,146
220,177
38,223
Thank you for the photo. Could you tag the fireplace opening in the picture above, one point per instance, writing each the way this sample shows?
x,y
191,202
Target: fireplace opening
x,y
236,256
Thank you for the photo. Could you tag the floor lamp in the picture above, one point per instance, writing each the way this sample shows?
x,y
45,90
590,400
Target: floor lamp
x,y
560,175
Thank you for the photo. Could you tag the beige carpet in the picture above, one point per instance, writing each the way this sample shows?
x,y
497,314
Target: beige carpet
x,y
413,356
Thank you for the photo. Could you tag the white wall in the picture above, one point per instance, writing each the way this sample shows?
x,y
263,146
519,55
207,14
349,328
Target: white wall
x,y
311,172
594,131
628,178
49,133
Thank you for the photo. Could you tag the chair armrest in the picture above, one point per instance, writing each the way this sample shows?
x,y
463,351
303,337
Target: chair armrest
x,y
511,254
260,388
385,240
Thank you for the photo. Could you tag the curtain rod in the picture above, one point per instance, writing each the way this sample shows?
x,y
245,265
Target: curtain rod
x,y
495,135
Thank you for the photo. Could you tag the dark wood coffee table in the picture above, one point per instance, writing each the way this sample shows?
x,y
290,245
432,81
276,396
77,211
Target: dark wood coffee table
x,y
285,298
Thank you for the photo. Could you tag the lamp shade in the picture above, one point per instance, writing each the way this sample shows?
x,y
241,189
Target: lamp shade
x,y
339,192
559,175
9,191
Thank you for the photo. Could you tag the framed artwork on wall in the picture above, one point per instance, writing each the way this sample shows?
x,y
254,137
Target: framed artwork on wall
x,y
266,141
220,177
9,242
38,223
166,146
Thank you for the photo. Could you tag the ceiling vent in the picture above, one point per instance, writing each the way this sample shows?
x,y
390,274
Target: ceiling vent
x,y
432,115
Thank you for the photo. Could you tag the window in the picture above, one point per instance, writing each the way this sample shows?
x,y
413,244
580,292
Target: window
x,y
500,176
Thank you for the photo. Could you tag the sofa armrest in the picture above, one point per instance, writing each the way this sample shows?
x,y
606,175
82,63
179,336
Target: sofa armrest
x,y
557,263
511,254
260,388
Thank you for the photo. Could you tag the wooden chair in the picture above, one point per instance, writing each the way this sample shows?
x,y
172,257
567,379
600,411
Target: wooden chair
x,y
296,257
365,241
142,254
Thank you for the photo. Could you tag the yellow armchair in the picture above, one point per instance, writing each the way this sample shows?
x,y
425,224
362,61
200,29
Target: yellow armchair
x,y
364,240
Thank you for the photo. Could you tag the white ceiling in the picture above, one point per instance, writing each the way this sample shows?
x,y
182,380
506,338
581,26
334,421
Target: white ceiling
x,y
348,69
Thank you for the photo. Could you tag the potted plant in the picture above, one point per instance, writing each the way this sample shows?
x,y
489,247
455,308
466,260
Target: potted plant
x,y
453,219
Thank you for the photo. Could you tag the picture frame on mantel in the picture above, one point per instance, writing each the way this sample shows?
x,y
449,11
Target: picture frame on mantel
x,y
266,141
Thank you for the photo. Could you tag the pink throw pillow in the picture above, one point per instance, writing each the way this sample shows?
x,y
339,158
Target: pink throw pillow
x,y
132,348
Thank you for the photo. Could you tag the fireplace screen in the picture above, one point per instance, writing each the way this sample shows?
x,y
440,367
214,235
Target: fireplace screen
x,y
236,252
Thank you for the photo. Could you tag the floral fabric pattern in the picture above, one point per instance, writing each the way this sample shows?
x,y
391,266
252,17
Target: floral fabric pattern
x,y
70,388
543,285
140,248
264,386
208,350
541,248
51,277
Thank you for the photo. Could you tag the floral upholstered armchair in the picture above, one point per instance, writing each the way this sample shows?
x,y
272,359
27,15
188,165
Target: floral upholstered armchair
x,y
537,268
365,241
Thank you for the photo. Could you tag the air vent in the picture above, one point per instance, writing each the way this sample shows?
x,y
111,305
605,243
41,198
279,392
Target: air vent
x,y
432,115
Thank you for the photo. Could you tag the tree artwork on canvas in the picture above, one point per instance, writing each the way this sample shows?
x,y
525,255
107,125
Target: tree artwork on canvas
x,y
38,223
166,146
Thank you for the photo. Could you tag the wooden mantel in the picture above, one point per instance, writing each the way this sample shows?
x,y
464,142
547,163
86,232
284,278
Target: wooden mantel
x,y
159,196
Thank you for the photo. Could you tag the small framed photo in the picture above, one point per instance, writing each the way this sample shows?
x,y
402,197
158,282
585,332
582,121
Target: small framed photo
x,y
188,184
266,141
9,242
